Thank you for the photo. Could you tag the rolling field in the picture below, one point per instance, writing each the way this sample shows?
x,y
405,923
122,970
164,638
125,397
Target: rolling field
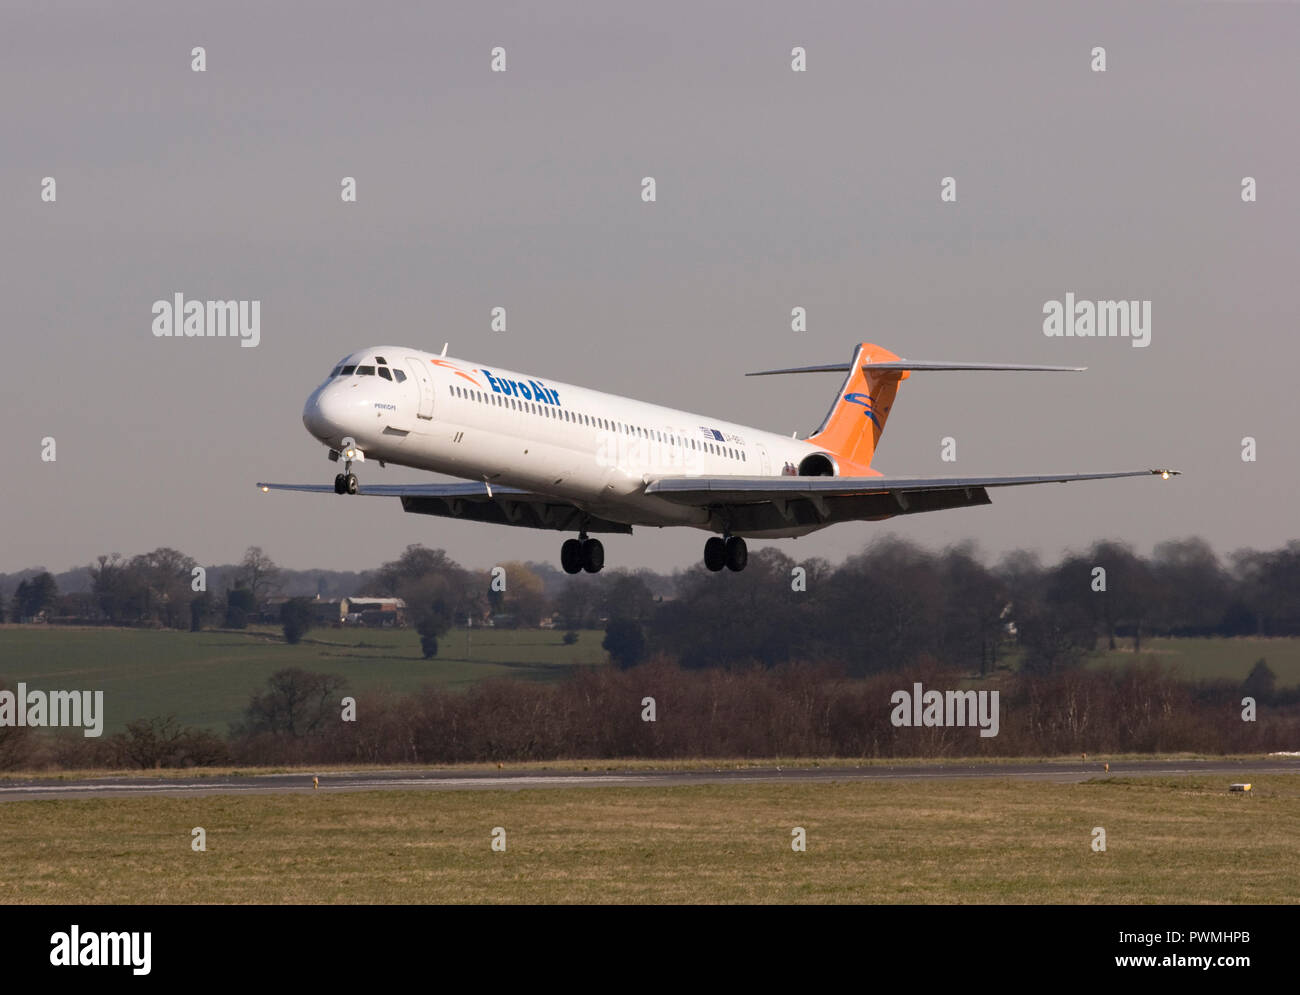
x,y
206,678
1202,659
1169,840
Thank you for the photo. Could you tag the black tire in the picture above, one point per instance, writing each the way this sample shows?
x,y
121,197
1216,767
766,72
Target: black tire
x,y
352,483
340,484
571,556
593,556
715,553
737,554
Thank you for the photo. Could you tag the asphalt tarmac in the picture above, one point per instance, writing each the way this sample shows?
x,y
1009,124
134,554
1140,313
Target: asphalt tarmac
x,y
182,785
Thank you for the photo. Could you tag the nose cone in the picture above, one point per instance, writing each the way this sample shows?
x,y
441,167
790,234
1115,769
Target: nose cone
x,y
326,412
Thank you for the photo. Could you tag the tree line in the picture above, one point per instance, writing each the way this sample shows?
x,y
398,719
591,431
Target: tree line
x,y
891,605
799,709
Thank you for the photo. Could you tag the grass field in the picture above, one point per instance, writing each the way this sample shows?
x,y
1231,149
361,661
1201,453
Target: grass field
x,y
206,678
1175,840
1197,659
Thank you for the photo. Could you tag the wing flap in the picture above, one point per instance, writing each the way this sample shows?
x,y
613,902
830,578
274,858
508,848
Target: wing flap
x,y
476,502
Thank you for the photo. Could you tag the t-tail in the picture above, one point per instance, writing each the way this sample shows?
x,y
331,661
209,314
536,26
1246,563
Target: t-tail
x,y
852,428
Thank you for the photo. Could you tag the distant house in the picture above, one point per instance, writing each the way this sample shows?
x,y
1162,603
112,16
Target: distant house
x,y
379,612
269,613
325,611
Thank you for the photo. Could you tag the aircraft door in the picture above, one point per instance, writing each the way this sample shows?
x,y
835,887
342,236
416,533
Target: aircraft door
x,y
765,465
424,384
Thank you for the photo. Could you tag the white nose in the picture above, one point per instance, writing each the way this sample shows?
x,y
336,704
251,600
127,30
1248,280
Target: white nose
x,y
326,412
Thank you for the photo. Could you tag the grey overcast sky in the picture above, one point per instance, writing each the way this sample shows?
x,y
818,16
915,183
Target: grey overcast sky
x,y
521,189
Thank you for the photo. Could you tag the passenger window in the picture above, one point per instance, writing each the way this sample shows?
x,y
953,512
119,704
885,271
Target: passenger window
x,y
383,372
401,377
365,371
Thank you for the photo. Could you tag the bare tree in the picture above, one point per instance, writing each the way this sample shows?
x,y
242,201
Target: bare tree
x,y
296,703
259,574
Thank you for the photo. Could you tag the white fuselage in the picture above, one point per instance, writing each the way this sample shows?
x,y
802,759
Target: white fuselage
x,y
486,423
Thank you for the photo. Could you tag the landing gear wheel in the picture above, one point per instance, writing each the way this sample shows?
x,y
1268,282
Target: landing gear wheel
x,y
571,556
737,554
351,483
340,484
593,555
715,553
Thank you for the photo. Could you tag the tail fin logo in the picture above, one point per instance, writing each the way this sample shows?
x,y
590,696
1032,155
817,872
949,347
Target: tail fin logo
x,y
866,400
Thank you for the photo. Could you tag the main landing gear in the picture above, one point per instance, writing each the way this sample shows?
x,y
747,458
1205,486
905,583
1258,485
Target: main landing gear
x,y
729,552
582,554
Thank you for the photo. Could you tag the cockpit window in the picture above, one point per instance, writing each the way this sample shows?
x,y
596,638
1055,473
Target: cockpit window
x,y
335,372
348,370
401,377
383,372
365,371
381,361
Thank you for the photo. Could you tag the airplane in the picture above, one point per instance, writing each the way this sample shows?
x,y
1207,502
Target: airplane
x,y
536,453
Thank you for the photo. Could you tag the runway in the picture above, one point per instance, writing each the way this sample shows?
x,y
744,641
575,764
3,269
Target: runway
x,y
188,785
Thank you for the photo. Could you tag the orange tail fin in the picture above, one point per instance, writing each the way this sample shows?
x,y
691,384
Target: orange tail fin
x,y
855,422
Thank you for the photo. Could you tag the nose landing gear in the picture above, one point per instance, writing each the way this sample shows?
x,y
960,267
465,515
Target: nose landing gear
x,y
346,482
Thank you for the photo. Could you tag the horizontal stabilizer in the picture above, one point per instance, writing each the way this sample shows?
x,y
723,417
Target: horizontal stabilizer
x,y
909,364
